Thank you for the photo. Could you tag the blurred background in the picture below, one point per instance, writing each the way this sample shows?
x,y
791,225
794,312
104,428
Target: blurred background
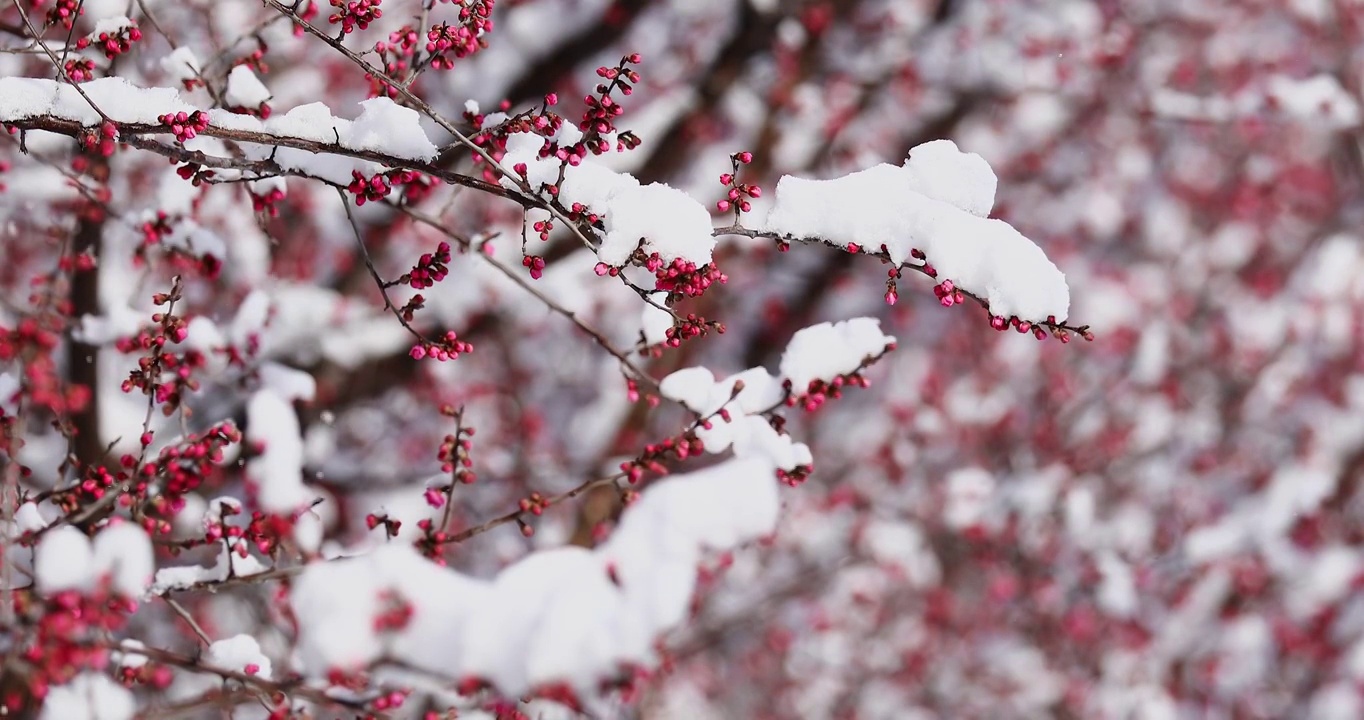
x,y
1163,523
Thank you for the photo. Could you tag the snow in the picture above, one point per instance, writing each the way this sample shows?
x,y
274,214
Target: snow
x,y
939,170
28,518
288,383
668,221
829,350
111,25
237,653
244,89
228,564
567,615
123,552
745,430
934,202
22,98
89,696
387,127
277,470
9,393
120,322
902,544
969,493
64,561
1319,97
181,64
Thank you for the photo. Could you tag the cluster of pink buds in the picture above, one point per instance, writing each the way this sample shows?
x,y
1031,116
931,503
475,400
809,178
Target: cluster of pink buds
x,y
690,327
535,504
185,125
632,392
380,185
161,373
602,109
535,264
184,467
580,212
65,12
370,189
396,56
1038,330
194,173
66,639
155,676
391,525
795,477
454,453
448,347
359,13
682,278
394,614
543,228
433,540
948,293
820,391
430,269
80,69
737,194
101,141
410,308
47,388
95,482
679,448
391,700
113,44
463,39
267,202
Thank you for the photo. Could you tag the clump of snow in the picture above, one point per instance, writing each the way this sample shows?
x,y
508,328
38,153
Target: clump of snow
x,y
828,350
568,615
969,495
22,98
1319,97
935,202
240,653
123,552
67,560
668,221
313,121
286,382
901,544
278,470
111,25
387,127
939,170
28,518
63,561
181,64
9,392
89,696
740,425
244,89
228,565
